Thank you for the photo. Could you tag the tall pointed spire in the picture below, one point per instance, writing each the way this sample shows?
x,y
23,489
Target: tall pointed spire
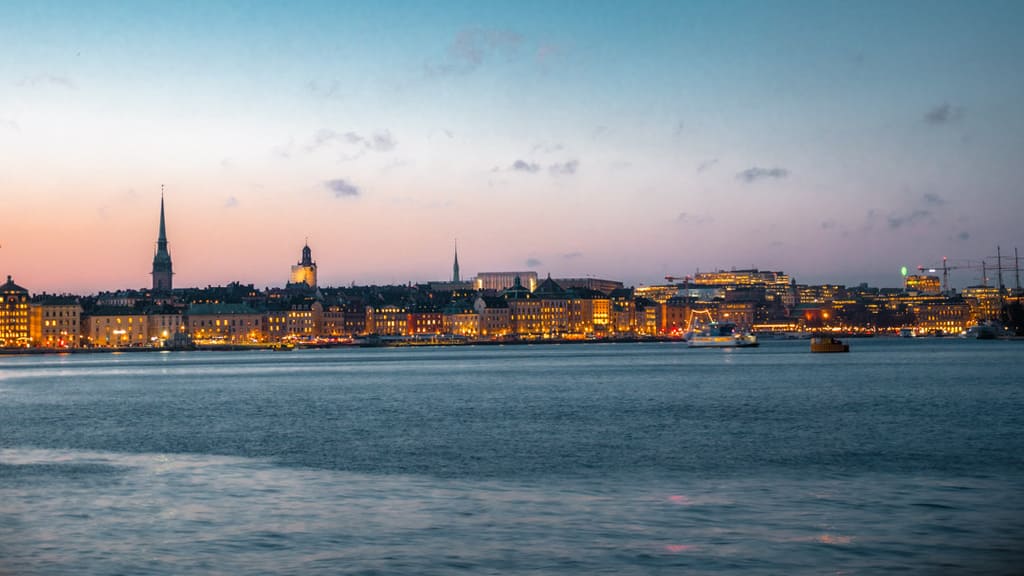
x,y
455,267
162,268
161,241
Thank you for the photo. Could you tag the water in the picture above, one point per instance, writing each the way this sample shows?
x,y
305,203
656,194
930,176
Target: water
x,y
902,456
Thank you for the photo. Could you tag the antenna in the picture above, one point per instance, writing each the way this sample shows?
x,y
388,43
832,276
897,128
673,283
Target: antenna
x,y
999,266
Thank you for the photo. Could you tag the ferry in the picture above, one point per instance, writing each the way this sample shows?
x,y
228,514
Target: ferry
x,y
828,344
721,335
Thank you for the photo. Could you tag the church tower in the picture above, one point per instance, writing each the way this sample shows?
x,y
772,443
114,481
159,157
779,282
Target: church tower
x,y
305,271
162,271
455,267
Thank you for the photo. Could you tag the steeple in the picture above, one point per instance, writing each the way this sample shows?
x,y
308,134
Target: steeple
x,y
455,267
162,269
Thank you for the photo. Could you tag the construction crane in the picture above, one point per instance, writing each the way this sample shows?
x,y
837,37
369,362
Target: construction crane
x,y
673,279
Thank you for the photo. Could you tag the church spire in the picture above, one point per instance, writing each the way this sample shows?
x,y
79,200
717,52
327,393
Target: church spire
x,y
162,269
455,266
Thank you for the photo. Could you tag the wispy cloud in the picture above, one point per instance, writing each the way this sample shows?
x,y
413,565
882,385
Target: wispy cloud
x,y
963,236
944,114
693,219
756,173
899,220
679,129
473,47
48,80
330,90
524,166
932,199
231,202
533,262
380,141
342,188
828,224
573,255
564,168
706,165
9,125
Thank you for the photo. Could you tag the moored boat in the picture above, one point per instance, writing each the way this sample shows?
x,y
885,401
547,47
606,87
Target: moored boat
x,y
828,344
721,335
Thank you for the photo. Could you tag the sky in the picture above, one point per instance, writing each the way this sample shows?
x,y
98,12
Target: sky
x,y
834,141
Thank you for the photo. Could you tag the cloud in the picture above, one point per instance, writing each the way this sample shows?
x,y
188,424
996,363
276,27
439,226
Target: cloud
x,y
342,188
694,219
380,141
328,90
473,47
523,166
547,148
231,202
900,220
706,165
533,263
828,224
572,255
932,199
547,52
944,114
564,168
756,173
963,236
9,125
48,80
679,129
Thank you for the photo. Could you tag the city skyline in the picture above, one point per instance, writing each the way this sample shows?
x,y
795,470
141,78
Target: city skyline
x,y
835,142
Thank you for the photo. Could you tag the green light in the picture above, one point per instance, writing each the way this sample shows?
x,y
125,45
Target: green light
x,y
903,270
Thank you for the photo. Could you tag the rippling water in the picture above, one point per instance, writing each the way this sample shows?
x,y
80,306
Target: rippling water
x,y
902,456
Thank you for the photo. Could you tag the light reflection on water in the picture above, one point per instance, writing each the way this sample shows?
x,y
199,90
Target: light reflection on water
x,y
111,513
561,459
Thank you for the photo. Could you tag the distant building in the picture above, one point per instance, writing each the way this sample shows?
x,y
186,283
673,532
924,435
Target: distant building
x,y
55,321
923,284
604,286
305,271
162,269
115,326
14,315
455,267
498,281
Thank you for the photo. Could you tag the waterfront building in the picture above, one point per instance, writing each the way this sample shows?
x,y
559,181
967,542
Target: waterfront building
x,y
951,316
298,319
589,311
14,315
986,302
164,321
675,316
524,310
304,272
424,320
623,311
554,307
386,320
495,316
498,281
55,321
461,319
115,326
162,268
225,323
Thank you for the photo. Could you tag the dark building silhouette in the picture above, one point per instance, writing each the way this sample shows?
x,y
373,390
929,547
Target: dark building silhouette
x,y
162,270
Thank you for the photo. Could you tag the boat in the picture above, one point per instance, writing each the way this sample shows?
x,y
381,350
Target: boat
x,y
283,346
828,344
721,335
